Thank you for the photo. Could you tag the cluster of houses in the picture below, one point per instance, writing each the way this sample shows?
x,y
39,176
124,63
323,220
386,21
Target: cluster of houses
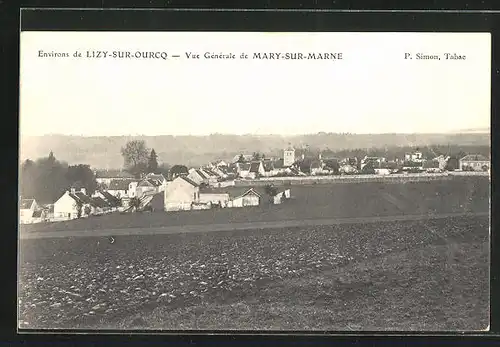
x,y
213,185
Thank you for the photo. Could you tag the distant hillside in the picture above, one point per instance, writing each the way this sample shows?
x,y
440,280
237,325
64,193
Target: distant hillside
x,y
104,152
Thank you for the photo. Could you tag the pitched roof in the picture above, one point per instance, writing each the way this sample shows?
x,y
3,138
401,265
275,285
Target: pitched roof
x,y
84,198
110,198
201,174
209,171
474,157
254,167
149,183
250,191
188,180
99,202
37,213
119,184
157,177
26,204
244,166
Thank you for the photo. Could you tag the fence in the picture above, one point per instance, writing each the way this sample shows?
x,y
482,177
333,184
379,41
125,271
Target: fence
x,y
394,178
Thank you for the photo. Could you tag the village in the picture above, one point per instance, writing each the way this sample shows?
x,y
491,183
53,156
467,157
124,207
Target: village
x,y
226,183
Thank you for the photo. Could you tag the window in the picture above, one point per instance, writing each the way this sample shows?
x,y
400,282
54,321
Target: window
x,y
194,196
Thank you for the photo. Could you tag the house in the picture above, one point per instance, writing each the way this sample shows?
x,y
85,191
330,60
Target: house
x,y
221,199
288,156
213,178
243,169
415,156
119,188
198,176
40,215
147,185
112,201
68,205
474,162
269,169
105,177
160,180
99,206
27,208
181,194
249,198
256,169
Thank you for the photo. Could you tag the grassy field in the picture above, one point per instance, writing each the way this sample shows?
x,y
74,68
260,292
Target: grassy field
x,y
430,275
461,194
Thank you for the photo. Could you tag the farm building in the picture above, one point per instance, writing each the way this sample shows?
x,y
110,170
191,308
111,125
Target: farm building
x,y
249,198
159,179
474,162
181,194
282,196
221,199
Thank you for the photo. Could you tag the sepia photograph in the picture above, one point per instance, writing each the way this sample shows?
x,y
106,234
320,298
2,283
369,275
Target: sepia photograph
x,y
254,181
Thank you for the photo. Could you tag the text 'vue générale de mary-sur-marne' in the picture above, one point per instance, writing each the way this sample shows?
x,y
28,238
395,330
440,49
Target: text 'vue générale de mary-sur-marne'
x,y
103,54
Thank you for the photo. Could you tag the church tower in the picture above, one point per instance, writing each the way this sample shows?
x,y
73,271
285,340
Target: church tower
x,y
288,156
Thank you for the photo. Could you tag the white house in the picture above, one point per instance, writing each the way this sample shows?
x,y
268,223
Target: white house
x,y
119,188
383,171
249,198
66,207
181,194
27,208
474,162
243,169
256,169
198,176
415,156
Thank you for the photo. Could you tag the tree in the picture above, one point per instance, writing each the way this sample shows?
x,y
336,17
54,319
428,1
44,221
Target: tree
x,y
79,206
256,156
178,170
164,169
241,159
87,210
135,156
82,175
135,203
153,162
271,190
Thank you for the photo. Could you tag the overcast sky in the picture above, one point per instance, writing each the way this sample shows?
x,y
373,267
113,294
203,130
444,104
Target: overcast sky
x,y
372,90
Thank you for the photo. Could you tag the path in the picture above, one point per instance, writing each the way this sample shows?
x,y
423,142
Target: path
x,y
238,226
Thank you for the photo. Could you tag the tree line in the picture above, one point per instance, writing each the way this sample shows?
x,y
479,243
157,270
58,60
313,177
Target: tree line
x,y
46,179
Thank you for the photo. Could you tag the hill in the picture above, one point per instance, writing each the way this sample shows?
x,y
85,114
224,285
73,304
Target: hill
x,y
104,152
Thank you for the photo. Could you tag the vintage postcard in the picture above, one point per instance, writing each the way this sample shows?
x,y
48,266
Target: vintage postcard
x,y
250,181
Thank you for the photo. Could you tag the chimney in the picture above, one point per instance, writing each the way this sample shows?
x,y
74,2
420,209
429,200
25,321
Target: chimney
x,y
72,191
84,191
